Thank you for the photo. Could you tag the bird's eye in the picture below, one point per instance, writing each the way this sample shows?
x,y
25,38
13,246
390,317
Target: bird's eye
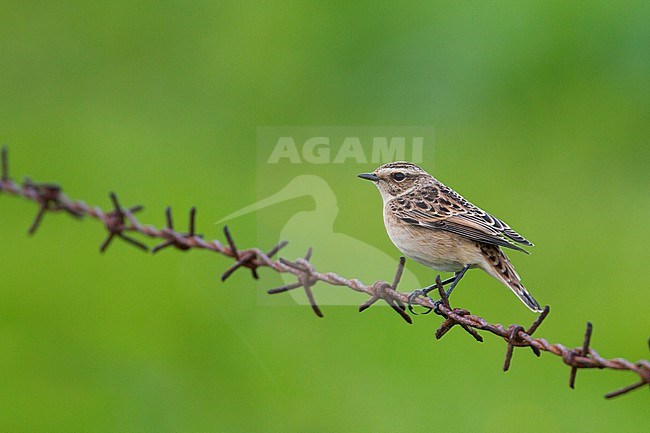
x,y
399,176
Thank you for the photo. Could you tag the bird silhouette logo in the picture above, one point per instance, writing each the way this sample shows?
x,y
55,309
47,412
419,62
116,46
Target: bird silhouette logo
x,y
335,251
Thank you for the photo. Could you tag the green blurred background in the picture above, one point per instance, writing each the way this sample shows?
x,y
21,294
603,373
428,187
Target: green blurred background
x,y
542,116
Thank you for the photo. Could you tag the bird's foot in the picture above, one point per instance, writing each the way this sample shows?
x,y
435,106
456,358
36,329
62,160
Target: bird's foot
x,y
424,293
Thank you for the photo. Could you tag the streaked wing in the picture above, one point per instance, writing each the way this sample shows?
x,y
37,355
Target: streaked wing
x,y
439,207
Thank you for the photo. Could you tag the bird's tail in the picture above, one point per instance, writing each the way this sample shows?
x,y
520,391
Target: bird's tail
x,y
498,265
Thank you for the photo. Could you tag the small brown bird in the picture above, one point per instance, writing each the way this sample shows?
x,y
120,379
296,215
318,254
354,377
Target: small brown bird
x,y
433,225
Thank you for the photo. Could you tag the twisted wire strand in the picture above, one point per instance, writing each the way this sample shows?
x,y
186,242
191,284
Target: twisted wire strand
x,y
121,222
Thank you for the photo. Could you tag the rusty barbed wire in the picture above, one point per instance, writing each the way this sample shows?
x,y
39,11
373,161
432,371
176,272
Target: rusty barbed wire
x,y
120,222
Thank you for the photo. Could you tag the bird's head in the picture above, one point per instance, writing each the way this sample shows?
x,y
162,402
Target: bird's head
x,y
395,178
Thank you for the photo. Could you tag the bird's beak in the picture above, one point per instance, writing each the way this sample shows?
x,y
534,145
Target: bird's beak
x,y
369,176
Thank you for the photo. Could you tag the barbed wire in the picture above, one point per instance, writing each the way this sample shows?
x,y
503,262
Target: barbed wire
x,y
120,222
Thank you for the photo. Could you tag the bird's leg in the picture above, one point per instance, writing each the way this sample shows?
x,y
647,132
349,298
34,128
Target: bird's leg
x,y
425,291
456,279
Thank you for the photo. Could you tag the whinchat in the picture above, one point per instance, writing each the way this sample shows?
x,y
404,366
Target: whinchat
x,y
433,225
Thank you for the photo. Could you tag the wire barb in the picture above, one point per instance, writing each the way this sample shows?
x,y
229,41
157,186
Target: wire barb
x,y
583,352
4,169
382,290
116,225
245,258
50,198
450,319
513,336
306,279
626,389
175,239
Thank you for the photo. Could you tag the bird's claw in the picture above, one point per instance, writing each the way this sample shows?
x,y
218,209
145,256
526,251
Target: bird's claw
x,y
414,295
436,304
